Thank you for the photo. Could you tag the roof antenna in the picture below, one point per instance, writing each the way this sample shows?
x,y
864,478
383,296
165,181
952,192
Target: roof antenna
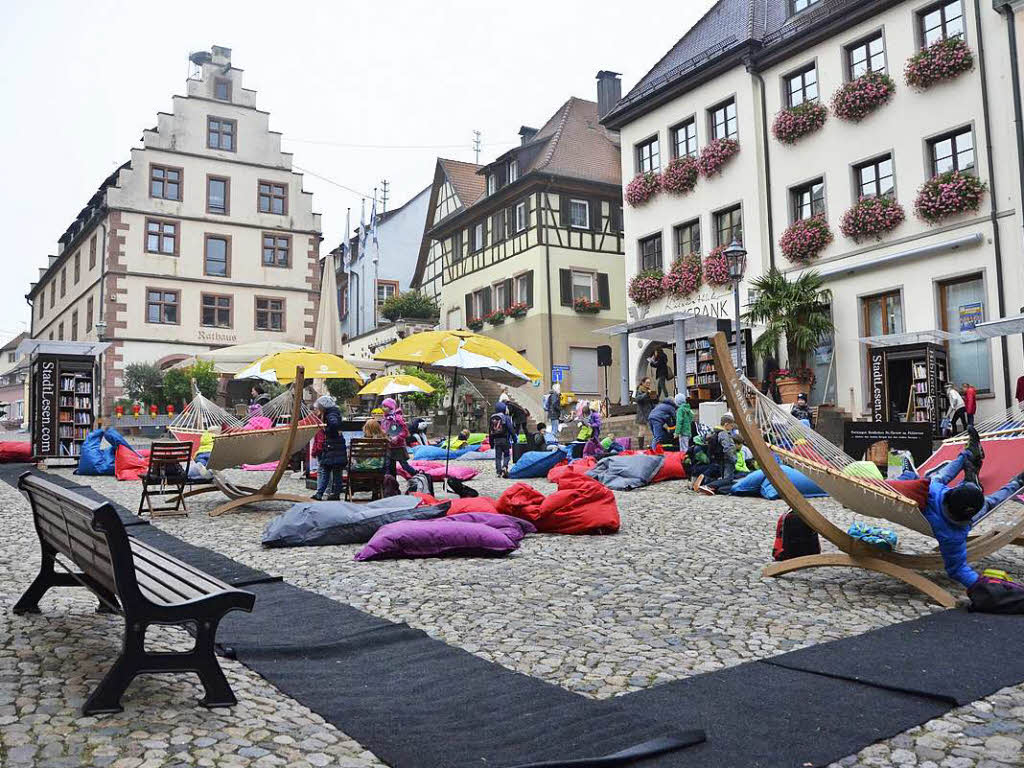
x,y
476,145
384,195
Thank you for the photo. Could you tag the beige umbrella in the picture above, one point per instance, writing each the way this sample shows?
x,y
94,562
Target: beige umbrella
x,y
328,322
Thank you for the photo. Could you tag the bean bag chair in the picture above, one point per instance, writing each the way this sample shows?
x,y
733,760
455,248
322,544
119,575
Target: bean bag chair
x,y
12,452
579,467
257,423
317,524
433,452
269,466
425,498
520,500
624,473
478,504
130,464
807,487
672,468
866,469
475,438
487,455
94,458
580,505
435,470
466,535
749,485
536,463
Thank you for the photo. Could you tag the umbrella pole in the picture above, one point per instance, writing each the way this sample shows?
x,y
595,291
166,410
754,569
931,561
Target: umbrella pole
x,y
451,421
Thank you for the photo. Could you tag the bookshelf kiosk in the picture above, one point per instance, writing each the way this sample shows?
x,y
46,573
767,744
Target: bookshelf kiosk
x,y
908,383
63,390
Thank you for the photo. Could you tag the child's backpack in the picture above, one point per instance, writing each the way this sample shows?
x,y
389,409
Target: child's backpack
x,y
546,403
794,538
499,427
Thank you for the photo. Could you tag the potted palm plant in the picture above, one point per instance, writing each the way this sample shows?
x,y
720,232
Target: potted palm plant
x,y
798,311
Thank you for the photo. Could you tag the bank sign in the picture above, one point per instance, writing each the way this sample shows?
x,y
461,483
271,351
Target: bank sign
x,y
704,302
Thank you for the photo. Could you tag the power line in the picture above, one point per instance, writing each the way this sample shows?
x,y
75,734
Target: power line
x,y
332,181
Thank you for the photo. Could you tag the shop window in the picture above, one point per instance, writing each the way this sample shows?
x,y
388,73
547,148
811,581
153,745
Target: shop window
x,y
961,302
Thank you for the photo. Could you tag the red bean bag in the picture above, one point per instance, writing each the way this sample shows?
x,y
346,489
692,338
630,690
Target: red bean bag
x,y
522,501
426,500
580,505
129,465
672,468
579,467
484,504
15,452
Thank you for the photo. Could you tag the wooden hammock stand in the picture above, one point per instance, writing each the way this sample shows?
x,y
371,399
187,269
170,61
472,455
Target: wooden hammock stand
x,y
853,553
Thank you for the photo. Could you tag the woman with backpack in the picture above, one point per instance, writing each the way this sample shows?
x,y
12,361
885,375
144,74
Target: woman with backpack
x,y
397,432
500,435
333,455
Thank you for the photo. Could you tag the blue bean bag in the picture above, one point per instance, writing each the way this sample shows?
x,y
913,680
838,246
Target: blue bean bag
x,y
435,453
805,485
749,485
94,459
536,463
324,523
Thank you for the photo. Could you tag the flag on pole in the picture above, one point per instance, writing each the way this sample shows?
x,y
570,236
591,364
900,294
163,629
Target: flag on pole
x,y
362,229
373,230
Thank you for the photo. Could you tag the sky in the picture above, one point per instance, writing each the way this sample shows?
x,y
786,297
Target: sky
x,y
361,91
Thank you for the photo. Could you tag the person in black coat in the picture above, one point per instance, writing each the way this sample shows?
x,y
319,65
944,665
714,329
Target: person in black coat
x,y
334,456
662,414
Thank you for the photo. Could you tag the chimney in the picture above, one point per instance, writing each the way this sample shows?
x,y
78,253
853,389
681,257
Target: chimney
x,y
526,134
609,91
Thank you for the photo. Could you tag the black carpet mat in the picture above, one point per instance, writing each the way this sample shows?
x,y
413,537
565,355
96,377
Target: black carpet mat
x,y
415,701
758,715
953,656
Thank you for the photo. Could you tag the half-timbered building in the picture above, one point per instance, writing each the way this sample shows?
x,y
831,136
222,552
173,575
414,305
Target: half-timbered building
x,y
528,248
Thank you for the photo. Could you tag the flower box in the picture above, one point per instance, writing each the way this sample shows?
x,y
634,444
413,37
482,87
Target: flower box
x,y
949,194
715,155
497,317
793,124
646,287
805,239
942,60
859,98
680,175
474,324
685,276
716,268
586,306
792,383
516,310
642,188
872,217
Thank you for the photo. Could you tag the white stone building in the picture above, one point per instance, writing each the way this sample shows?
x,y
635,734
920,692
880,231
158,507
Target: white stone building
x,y
204,238
743,63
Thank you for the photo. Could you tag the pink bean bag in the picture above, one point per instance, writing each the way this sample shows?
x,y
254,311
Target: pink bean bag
x,y
258,422
269,466
435,469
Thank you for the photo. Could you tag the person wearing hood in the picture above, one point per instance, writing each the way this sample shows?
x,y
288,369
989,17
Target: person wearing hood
x,y
397,432
333,455
499,433
662,414
684,422
553,407
801,412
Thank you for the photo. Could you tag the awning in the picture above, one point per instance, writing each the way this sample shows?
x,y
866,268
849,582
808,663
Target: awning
x,y
1007,326
84,348
913,337
661,327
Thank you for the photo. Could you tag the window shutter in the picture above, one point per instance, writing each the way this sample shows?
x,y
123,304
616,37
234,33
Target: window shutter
x,y
529,288
616,217
595,215
527,222
510,221
565,283
498,226
469,307
563,210
603,293
487,302
508,293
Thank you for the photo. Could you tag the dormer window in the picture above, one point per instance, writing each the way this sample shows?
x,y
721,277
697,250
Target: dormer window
x,y
800,5
513,170
492,183
222,89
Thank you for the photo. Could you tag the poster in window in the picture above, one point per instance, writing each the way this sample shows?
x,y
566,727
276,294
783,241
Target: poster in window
x,y
971,315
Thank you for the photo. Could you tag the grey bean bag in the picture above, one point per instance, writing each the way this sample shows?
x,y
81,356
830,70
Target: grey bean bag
x,y
624,473
322,523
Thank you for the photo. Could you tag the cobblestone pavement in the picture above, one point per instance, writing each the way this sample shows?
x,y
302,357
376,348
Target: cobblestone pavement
x,y
677,592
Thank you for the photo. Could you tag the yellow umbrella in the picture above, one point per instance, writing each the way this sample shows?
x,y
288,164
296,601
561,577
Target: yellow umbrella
x,y
463,352
281,366
396,385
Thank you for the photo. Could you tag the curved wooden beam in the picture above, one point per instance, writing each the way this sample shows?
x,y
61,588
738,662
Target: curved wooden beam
x,y
909,577
256,498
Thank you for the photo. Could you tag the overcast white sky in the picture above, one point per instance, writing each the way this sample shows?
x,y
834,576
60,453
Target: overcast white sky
x,y
82,80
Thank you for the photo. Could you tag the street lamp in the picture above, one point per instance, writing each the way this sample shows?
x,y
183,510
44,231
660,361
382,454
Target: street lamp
x,y
736,257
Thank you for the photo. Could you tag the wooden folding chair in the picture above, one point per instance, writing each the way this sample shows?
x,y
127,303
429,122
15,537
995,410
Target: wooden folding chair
x,y
364,455
166,475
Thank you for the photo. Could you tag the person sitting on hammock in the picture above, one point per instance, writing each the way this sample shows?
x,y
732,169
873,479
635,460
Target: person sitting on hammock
x,y
952,512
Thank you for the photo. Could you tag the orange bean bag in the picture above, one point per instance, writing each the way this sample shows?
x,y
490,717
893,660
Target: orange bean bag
x,y
579,467
672,468
426,500
522,501
129,465
483,504
11,451
580,505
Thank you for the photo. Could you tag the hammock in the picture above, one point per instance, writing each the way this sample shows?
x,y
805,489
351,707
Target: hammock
x,y
199,416
1003,438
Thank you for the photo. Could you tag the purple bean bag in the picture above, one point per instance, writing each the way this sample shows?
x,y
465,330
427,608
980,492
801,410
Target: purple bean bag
x,y
471,534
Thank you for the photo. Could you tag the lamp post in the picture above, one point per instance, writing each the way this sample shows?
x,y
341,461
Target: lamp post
x,y
736,256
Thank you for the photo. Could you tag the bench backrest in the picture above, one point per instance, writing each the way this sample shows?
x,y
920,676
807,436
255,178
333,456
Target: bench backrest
x,y
169,454
88,533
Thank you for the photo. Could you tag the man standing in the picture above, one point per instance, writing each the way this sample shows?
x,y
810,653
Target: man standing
x,y
659,362
970,402
956,410
553,407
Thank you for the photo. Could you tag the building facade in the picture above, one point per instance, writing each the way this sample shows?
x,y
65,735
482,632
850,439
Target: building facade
x,y
742,66
13,378
386,268
528,248
203,239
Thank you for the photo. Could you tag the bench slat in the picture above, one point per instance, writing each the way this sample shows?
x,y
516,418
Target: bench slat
x,y
158,592
172,570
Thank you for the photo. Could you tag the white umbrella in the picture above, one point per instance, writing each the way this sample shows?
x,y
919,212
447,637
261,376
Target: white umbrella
x,y
328,321
466,362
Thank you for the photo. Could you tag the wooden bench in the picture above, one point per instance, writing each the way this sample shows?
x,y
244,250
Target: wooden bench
x,y
133,578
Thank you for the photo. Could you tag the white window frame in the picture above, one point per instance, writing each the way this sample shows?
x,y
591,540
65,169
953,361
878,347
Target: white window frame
x,y
589,276
496,301
586,213
519,283
492,184
478,236
513,170
521,222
